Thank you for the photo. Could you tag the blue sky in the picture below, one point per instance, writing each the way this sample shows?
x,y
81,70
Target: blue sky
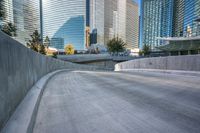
x,y
138,1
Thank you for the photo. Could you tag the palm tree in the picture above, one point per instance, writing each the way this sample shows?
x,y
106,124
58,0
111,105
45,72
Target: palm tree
x,y
146,50
116,45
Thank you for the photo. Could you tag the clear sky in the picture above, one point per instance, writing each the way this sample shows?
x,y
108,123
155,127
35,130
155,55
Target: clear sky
x,y
138,1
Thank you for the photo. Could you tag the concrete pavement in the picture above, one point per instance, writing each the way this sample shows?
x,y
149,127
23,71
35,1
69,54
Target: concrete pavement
x,y
119,102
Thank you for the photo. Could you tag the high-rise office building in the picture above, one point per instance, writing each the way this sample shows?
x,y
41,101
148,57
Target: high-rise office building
x,y
110,11
186,29
102,19
186,12
128,22
25,15
97,19
7,11
156,21
133,17
178,18
65,20
114,18
26,18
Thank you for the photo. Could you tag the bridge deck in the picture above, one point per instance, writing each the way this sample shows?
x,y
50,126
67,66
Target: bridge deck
x,y
98,102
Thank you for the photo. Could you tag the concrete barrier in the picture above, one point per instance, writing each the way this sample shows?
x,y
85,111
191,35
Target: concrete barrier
x,y
184,63
20,69
23,119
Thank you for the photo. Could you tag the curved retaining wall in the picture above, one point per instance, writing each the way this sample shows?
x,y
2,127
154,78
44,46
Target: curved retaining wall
x,y
185,63
20,69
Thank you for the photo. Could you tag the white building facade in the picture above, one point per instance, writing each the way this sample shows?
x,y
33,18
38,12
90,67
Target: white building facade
x,y
115,18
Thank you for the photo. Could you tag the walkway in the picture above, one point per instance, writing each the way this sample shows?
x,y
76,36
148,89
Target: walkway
x,y
109,102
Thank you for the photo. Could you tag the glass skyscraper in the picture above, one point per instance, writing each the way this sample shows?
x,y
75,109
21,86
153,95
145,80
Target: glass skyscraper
x,y
186,12
26,18
157,16
97,19
168,18
7,8
178,18
64,20
25,15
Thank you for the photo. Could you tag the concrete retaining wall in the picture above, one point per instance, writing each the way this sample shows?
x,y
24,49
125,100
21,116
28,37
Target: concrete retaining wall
x,y
109,64
20,69
185,63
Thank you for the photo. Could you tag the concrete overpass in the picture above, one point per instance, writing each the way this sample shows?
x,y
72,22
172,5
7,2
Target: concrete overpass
x,y
102,60
43,95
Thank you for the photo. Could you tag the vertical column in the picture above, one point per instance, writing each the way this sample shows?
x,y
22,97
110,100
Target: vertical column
x,y
179,52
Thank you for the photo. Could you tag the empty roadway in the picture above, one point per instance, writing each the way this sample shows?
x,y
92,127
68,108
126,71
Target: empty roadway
x,y
119,102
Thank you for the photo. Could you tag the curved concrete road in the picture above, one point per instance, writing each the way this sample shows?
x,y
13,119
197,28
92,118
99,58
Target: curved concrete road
x,y
109,102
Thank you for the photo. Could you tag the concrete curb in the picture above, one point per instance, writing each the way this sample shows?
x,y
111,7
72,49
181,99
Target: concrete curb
x,y
23,119
176,72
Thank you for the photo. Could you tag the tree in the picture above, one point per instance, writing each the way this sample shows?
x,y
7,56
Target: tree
x,y
69,49
54,55
42,49
9,29
47,42
116,45
36,43
146,50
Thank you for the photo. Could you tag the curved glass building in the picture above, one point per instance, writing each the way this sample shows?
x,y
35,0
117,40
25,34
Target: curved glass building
x,y
25,15
7,8
26,18
64,21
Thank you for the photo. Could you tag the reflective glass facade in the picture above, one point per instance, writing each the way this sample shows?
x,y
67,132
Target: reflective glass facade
x,y
185,14
7,8
110,19
97,19
156,21
191,13
26,18
178,18
25,15
65,19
